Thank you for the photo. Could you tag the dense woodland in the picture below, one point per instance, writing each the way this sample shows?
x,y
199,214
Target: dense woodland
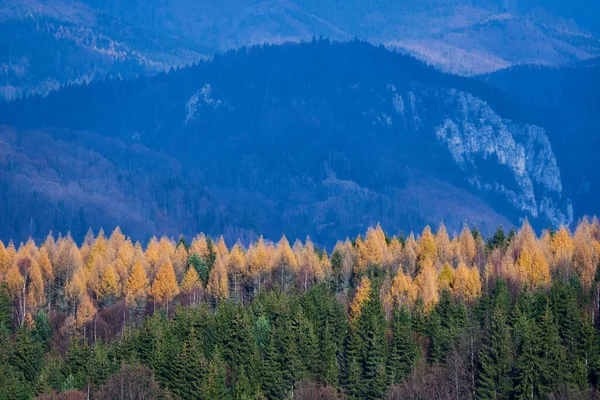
x,y
431,316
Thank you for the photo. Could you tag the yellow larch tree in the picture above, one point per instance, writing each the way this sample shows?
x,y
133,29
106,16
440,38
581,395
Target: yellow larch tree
x,y
445,278
36,296
199,246
258,259
191,284
403,292
426,281
585,253
362,256
86,312
222,250
285,264
562,248
164,287
346,250
473,288
51,248
115,241
180,261
153,257
460,281
309,264
426,249
361,295
395,251
4,261
237,270
76,287
217,285
409,255
137,285
467,246
45,265
108,288
16,285
443,245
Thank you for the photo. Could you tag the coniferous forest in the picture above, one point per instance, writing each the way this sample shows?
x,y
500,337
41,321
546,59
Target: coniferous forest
x,y
435,315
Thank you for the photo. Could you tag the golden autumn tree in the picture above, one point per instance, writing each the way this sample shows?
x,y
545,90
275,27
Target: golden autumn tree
x,y
4,261
585,253
395,251
259,261
222,250
445,278
16,284
361,296
136,287
532,267
164,287
86,312
153,257
409,255
237,270
284,263
45,265
76,286
562,247
467,248
310,267
191,284
217,285
466,284
36,296
108,289
443,245
180,261
403,292
426,281
426,249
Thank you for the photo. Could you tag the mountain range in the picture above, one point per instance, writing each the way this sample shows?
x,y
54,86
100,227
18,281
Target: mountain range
x,y
319,138
45,44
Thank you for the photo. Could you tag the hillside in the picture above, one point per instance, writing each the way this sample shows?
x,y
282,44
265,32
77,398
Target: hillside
x,y
314,139
564,101
93,39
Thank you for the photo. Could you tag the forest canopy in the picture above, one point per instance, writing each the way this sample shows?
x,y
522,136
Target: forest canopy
x,y
433,315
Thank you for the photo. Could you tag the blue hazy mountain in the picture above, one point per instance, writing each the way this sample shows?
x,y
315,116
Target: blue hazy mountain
x,y
319,139
47,43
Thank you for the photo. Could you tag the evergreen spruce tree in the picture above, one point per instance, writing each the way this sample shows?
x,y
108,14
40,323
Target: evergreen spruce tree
x,y
328,370
188,372
271,377
215,379
493,381
553,371
527,381
403,349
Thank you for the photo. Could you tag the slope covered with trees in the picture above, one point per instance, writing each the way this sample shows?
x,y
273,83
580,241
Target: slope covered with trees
x,y
321,139
427,316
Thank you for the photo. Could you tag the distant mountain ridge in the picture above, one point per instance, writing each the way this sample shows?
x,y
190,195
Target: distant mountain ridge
x,y
48,43
319,139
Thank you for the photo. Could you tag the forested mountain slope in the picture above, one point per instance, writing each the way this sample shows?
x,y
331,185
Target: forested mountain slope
x,y
316,138
45,44
566,102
